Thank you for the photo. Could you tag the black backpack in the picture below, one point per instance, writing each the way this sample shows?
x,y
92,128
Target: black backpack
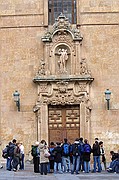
x,y
75,150
5,152
11,150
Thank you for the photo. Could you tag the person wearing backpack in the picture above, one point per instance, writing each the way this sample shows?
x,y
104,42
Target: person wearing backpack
x,y
51,158
96,156
16,159
66,156
76,151
44,159
81,165
35,152
57,158
12,146
86,156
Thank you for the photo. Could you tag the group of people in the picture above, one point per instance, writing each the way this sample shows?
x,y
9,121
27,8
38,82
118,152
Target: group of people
x,y
61,157
73,158
14,155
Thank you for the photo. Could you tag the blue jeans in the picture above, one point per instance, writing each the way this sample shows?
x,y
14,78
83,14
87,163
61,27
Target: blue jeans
x,y
66,163
48,167
57,166
22,162
81,165
43,168
76,162
114,165
9,163
87,166
97,162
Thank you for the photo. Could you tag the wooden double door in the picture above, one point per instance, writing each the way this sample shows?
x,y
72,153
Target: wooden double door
x,y
64,122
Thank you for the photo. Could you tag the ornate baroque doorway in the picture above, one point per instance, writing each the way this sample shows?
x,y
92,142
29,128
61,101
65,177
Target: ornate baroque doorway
x,y
63,107
64,122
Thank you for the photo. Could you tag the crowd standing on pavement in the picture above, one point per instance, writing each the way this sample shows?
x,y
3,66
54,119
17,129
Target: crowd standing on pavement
x,y
64,157
14,155
61,157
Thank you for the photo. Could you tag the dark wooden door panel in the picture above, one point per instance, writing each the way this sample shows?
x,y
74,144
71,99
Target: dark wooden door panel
x,y
72,134
64,122
55,135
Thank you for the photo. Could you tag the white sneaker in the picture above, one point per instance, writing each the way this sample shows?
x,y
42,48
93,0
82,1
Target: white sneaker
x,y
14,170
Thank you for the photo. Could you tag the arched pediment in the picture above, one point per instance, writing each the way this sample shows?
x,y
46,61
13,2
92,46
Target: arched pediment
x,y
62,26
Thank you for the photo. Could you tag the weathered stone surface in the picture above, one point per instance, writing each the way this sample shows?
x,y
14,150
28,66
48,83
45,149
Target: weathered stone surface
x,y
23,23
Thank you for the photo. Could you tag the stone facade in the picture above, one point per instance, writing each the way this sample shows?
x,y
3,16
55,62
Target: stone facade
x,y
28,48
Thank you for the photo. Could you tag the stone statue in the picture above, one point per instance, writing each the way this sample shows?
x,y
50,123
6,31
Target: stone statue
x,y
63,59
88,108
83,67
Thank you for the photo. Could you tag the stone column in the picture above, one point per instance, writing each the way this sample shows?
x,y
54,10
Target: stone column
x,y
82,120
45,4
38,125
44,122
77,63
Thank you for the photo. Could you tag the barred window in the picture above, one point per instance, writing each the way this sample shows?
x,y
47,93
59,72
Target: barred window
x,y
67,7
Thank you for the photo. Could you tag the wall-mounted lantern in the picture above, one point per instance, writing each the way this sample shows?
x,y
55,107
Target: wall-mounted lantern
x,y
107,97
17,99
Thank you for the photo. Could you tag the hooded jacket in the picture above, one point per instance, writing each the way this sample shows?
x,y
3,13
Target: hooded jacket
x,y
43,159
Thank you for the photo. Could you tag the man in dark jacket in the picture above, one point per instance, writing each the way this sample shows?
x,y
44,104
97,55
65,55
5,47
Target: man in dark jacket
x,y
11,148
76,151
66,155
96,155
86,156
81,165
57,158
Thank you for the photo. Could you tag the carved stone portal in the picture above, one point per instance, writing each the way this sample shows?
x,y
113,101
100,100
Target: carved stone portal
x,y
63,77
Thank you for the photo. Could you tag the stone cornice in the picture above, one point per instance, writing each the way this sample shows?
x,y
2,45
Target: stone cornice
x,y
39,79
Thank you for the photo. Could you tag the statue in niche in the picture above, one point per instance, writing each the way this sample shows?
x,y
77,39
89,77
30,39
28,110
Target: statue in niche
x,y
83,67
63,58
88,108
41,70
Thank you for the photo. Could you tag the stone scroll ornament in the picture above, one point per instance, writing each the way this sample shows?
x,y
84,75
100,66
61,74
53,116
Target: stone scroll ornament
x,y
84,68
62,60
41,70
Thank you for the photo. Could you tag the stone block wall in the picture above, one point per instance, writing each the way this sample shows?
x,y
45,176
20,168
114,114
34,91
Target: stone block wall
x,y
22,26
23,23
99,26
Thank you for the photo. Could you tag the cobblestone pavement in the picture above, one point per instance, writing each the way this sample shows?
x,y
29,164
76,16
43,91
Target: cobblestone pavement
x,y
28,174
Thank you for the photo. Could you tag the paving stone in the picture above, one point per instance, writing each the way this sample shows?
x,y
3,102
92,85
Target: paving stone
x,y
28,174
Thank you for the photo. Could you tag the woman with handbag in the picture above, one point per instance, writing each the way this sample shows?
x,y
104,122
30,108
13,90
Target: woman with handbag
x,y
44,157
